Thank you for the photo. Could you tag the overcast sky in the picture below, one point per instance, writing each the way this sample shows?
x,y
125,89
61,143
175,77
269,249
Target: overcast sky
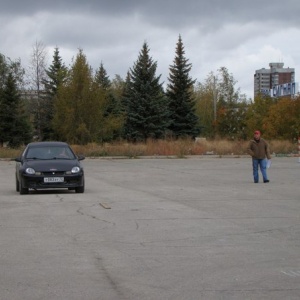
x,y
242,36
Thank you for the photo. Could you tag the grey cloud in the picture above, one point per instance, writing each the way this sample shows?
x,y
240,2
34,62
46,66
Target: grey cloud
x,y
167,12
215,33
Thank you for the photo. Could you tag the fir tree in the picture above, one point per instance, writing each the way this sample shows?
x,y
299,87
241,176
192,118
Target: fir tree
x,y
145,104
103,82
184,122
113,117
14,124
102,78
57,75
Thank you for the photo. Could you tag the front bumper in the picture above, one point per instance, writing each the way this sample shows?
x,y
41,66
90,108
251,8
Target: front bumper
x,y
37,181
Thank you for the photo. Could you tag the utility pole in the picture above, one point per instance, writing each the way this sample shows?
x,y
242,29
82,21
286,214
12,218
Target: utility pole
x,y
215,99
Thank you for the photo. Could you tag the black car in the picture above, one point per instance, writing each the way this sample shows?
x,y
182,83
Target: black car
x,y
49,165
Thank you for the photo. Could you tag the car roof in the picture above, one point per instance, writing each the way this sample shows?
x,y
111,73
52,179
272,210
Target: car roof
x,y
47,144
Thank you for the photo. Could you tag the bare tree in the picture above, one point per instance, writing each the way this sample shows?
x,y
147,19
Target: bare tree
x,y
36,75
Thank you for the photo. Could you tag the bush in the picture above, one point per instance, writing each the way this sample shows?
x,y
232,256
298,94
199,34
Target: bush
x,y
177,148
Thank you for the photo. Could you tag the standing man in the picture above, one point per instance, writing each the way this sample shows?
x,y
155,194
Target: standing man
x,y
259,150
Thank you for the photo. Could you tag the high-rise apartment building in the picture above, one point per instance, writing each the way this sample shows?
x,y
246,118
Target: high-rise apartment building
x,y
266,80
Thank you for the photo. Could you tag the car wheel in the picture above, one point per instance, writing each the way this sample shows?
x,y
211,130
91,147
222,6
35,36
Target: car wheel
x,y
23,191
80,189
17,184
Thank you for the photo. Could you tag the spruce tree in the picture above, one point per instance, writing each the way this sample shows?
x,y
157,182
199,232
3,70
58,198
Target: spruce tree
x,y
113,118
184,122
14,124
103,82
102,78
145,104
57,75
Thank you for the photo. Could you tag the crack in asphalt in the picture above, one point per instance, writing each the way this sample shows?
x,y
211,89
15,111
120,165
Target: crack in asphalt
x,y
80,212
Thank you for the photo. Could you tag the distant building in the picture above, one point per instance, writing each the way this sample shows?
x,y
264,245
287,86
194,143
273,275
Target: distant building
x,y
276,81
31,94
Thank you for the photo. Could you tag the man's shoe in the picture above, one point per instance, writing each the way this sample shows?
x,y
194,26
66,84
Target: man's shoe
x,y
266,181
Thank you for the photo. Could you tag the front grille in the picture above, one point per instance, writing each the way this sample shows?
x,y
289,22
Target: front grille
x,y
53,173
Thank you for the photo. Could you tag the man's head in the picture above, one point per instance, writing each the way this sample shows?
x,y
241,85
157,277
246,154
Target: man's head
x,y
257,134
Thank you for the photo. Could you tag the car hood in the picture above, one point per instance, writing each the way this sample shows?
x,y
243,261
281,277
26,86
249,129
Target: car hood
x,y
52,165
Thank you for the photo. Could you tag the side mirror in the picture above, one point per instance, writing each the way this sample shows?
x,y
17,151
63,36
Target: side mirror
x,y
18,159
80,157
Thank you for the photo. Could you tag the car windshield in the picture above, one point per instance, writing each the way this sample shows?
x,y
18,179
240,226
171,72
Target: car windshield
x,y
54,152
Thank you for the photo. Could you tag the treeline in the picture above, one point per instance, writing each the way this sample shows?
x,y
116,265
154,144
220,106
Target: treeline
x,y
80,105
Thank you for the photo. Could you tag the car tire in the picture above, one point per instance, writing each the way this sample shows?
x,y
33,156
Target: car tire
x,y
23,191
17,184
80,189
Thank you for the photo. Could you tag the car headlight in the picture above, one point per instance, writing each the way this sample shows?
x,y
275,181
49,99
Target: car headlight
x,y
30,171
75,170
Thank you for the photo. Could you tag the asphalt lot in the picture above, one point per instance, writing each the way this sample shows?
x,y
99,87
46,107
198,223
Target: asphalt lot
x,y
195,228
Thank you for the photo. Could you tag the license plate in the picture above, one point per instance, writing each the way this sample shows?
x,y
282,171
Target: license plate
x,y
53,179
